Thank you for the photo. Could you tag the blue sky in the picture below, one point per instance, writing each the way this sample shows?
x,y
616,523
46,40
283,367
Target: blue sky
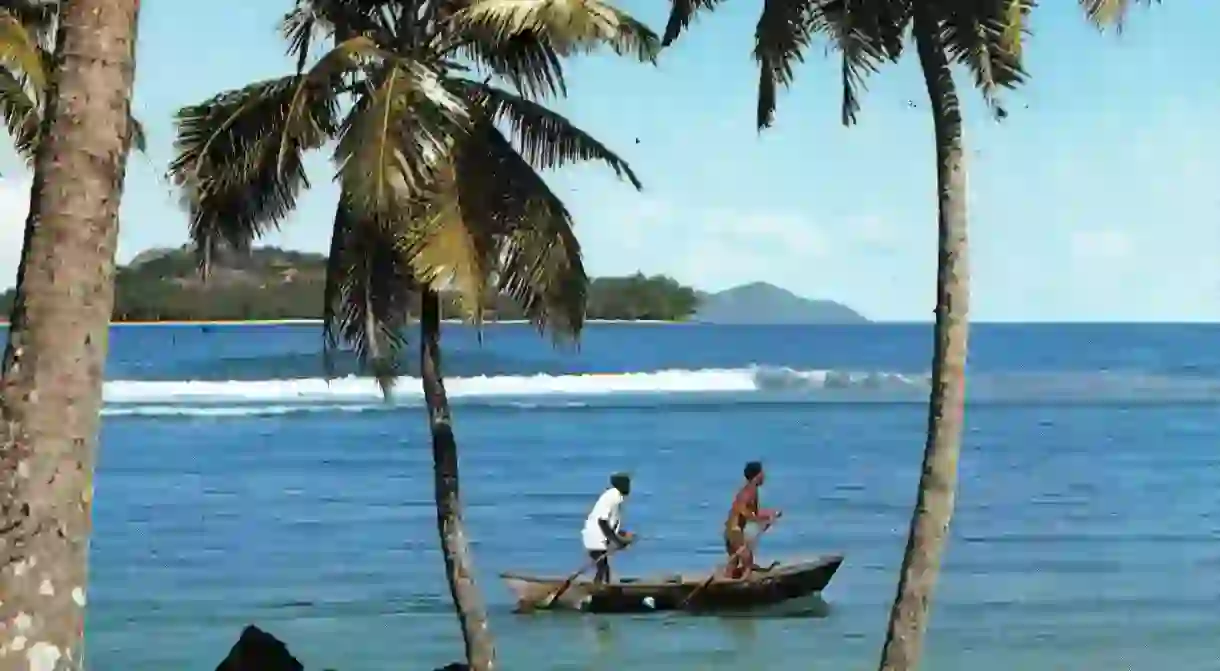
x,y
1096,200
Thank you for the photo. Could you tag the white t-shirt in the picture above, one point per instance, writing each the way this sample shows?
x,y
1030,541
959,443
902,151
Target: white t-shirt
x,y
609,507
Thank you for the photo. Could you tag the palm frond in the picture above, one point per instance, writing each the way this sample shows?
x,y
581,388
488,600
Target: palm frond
x,y
682,13
491,218
886,22
339,20
1016,26
300,27
545,138
20,52
539,257
569,26
22,118
239,155
525,60
985,37
784,30
395,136
1111,13
451,245
443,10
21,115
322,82
138,139
367,296
866,34
238,165
38,16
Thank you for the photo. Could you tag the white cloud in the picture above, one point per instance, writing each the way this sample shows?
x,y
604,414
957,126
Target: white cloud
x,y
870,229
14,204
711,248
859,258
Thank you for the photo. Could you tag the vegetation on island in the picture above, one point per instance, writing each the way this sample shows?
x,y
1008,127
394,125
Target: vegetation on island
x,y
270,283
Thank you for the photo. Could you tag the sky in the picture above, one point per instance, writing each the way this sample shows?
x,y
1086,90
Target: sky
x,y
1096,200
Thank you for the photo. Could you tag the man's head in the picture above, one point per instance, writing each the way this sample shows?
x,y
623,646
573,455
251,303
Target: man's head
x,y
621,482
754,472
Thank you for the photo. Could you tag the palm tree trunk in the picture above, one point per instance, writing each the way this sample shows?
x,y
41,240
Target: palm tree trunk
x,y
459,569
53,366
938,480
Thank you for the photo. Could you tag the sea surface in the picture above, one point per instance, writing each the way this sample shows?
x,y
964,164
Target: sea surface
x,y
236,486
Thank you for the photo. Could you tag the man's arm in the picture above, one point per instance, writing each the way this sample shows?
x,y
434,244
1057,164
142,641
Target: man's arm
x,y
763,515
612,535
768,516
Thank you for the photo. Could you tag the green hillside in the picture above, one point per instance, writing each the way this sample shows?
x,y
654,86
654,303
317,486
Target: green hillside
x,y
270,283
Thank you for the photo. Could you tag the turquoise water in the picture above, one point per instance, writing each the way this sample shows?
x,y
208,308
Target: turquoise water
x,y
232,490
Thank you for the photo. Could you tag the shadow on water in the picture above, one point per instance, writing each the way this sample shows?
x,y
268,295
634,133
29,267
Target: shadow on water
x,y
604,638
814,607
743,632
741,635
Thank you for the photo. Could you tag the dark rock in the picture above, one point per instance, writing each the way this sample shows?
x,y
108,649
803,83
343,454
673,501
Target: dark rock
x,y
256,650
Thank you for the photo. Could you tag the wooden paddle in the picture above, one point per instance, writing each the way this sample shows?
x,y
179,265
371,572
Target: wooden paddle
x,y
750,543
550,600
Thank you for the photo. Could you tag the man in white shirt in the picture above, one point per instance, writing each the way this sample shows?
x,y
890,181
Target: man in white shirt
x,y
603,527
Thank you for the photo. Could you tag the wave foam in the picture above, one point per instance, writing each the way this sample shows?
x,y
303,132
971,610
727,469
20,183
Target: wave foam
x,y
758,383
362,389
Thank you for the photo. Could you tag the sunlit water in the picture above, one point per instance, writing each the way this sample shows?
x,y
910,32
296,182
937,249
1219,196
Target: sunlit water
x,y
1087,535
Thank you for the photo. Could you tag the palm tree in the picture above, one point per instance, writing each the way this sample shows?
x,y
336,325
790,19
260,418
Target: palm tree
x,y
435,111
52,371
986,37
27,40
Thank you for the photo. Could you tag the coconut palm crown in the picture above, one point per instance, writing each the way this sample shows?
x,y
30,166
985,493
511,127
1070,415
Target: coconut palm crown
x,y
435,112
985,36
27,44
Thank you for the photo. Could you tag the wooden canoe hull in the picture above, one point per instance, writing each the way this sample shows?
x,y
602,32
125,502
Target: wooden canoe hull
x,y
784,582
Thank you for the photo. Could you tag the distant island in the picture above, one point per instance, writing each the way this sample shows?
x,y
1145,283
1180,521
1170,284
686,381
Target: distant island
x,y
762,303
272,284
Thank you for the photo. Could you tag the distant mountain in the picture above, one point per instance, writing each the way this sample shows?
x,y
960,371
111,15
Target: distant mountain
x,y
762,303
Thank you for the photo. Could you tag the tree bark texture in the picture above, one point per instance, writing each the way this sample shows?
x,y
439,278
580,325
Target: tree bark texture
x,y
53,366
459,568
929,528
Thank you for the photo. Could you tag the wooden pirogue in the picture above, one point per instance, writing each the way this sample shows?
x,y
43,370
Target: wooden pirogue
x,y
782,582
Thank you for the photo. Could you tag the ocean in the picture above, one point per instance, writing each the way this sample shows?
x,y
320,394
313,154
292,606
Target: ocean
x,y
236,486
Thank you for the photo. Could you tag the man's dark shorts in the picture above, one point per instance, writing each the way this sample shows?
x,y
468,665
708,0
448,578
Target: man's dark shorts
x,y
734,540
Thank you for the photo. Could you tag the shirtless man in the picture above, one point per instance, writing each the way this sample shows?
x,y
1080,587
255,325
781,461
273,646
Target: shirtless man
x,y
745,509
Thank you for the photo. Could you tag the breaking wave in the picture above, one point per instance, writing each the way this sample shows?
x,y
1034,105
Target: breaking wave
x,y
757,384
